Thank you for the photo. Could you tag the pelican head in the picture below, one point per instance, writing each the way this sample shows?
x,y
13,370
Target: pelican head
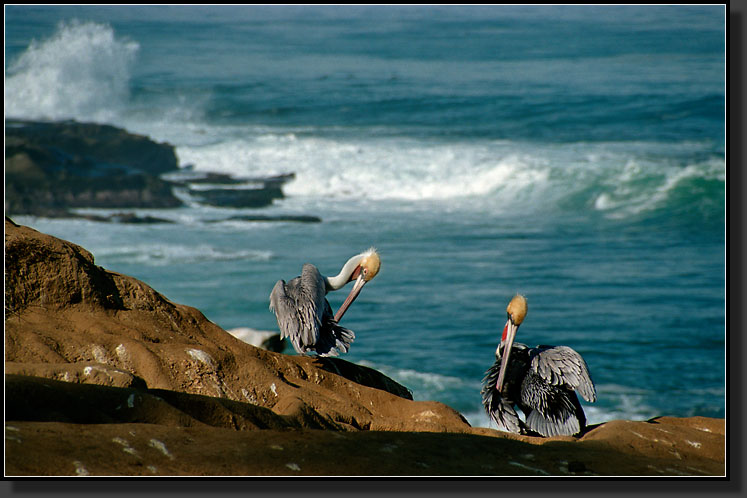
x,y
368,267
361,269
516,312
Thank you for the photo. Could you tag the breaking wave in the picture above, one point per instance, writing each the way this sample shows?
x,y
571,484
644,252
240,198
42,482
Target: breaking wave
x,y
617,180
81,72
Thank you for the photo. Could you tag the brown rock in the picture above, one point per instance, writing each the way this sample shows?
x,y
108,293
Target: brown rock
x,y
64,310
105,376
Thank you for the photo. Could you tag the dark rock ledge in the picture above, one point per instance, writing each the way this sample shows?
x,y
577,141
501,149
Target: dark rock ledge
x,y
51,167
55,167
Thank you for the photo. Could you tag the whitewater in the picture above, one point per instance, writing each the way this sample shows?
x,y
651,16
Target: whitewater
x,y
477,173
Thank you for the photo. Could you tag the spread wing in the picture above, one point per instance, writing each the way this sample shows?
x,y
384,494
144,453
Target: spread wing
x,y
299,306
562,366
551,409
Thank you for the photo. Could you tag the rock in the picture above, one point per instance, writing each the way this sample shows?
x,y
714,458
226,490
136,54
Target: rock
x,y
265,339
220,189
53,166
105,376
103,145
236,197
118,218
63,309
276,218
133,218
210,177
164,441
224,179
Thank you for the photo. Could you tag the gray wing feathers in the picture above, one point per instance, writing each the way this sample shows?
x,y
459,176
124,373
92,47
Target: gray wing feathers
x,y
284,308
548,426
298,306
500,410
505,417
305,317
561,365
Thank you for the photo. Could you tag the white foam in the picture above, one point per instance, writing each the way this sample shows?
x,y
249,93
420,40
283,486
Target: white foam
x,y
479,419
167,254
618,180
251,336
378,169
82,71
636,188
426,383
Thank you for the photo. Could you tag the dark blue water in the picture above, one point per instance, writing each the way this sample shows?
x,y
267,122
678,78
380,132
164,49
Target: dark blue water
x,y
574,154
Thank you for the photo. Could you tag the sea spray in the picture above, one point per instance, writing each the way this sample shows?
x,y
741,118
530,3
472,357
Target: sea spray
x,y
531,156
611,179
82,71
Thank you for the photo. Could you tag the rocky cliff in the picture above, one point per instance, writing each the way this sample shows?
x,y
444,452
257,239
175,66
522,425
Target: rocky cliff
x,y
53,166
105,376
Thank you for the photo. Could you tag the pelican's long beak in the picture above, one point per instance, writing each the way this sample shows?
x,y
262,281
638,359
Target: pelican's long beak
x,y
359,283
509,332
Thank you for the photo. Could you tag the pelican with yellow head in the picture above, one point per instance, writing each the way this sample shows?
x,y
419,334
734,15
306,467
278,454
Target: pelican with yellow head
x,y
304,314
541,381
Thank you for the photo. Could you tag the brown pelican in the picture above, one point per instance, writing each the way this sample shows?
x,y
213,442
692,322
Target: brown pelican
x,y
304,314
541,381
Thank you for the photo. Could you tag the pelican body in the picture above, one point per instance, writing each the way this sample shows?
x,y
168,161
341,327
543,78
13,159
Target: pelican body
x,y
304,314
541,381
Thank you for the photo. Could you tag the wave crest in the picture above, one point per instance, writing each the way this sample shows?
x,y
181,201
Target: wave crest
x,y
82,71
617,180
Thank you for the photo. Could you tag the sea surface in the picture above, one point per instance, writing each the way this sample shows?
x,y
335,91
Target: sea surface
x,y
574,154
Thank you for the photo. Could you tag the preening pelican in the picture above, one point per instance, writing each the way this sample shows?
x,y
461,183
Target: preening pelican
x,y
304,314
541,381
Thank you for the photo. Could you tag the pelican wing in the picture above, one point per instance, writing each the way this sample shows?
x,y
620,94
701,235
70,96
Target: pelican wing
x,y
284,307
498,408
562,366
299,306
551,409
549,427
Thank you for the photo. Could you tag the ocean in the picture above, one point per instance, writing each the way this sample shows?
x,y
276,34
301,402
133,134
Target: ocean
x,y
573,154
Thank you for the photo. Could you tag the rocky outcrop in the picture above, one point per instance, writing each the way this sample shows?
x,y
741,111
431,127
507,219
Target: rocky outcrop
x,y
63,309
163,440
105,376
53,166
217,189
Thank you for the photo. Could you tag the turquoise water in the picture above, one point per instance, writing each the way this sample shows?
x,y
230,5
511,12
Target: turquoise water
x,y
573,154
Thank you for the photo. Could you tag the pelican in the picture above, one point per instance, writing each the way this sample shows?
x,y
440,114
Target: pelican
x,y
541,381
304,314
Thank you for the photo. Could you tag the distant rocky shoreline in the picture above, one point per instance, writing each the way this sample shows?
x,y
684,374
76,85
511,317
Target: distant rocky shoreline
x,y
107,377
53,168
